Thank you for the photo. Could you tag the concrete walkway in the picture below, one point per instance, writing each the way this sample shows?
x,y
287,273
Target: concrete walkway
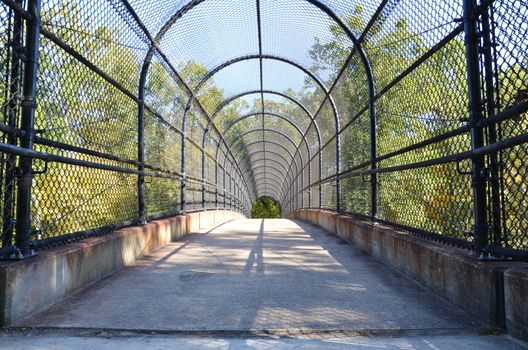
x,y
262,275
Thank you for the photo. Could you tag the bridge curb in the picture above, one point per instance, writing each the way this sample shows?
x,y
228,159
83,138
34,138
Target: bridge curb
x,y
29,286
493,291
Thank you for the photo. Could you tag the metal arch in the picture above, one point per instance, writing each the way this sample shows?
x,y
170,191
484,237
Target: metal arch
x,y
263,191
265,129
294,160
303,135
252,153
274,178
282,164
297,147
193,3
270,192
256,130
230,62
273,143
237,151
272,160
312,118
274,185
328,96
250,57
270,167
236,121
356,43
273,181
226,64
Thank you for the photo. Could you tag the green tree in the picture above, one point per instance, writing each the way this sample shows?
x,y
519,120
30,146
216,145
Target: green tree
x,y
265,208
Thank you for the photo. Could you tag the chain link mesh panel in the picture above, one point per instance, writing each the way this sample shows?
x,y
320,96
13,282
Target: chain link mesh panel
x,y
148,109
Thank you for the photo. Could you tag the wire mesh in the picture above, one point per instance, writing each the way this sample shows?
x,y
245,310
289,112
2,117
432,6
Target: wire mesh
x,y
150,109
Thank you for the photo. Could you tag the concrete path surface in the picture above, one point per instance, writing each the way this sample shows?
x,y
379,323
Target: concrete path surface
x,y
58,340
272,275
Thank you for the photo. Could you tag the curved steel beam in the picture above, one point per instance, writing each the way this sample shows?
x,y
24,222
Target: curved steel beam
x,y
278,144
282,163
274,184
295,101
328,97
270,192
277,180
236,121
254,160
269,167
240,137
318,4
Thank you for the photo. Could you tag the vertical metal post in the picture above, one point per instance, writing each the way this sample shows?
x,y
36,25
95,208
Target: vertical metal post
x,y
373,162
302,186
224,187
230,193
203,166
309,183
141,141
183,194
338,170
11,120
320,204
28,106
491,107
217,165
471,41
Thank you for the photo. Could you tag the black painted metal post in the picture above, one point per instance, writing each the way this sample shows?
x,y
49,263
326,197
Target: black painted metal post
x,y
471,41
183,206
217,165
492,130
11,120
373,162
320,203
302,186
231,192
28,106
338,169
141,142
203,167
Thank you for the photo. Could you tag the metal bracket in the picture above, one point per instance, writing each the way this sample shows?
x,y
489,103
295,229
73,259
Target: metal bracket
x,y
460,171
43,171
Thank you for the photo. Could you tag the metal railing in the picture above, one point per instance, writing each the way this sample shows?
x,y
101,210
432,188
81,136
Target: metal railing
x,y
409,113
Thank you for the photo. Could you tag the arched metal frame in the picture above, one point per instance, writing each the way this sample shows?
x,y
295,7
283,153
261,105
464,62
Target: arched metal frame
x,y
286,174
184,10
247,145
477,68
226,131
232,124
227,101
240,137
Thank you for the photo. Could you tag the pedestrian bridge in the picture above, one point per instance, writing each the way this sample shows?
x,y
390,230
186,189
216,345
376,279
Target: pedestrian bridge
x,y
265,166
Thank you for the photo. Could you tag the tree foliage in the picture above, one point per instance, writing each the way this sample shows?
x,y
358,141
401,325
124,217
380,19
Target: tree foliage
x,y
265,208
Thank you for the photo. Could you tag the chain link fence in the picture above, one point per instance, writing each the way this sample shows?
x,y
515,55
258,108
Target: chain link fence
x,y
410,113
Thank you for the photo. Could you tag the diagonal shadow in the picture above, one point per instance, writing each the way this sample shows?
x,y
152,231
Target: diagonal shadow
x,y
190,238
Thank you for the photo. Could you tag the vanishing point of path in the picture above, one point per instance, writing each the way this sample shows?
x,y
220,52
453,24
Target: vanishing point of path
x,y
255,284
